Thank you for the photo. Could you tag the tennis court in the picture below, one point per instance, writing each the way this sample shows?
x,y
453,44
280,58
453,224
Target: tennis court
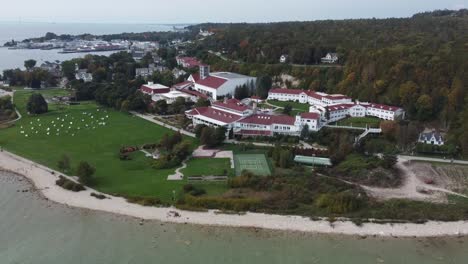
x,y
255,163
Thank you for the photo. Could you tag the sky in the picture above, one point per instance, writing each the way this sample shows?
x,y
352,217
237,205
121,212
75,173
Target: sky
x,y
198,11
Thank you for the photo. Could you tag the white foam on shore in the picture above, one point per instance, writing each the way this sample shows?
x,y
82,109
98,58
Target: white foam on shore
x,y
44,180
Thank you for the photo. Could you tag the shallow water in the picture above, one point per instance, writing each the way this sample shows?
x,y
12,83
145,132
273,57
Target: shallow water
x,y
33,230
10,59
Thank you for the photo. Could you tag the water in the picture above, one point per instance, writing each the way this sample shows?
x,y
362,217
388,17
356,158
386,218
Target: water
x,y
10,59
33,230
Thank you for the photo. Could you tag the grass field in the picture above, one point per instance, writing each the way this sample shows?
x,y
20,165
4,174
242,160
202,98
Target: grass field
x,y
360,122
255,163
208,167
98,146
295,105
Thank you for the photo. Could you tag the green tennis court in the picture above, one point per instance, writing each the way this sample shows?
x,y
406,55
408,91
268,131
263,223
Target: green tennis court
x,y
255,163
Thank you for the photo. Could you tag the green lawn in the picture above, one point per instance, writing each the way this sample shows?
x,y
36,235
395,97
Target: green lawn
x,y
295,105
98,146
360,122
208,167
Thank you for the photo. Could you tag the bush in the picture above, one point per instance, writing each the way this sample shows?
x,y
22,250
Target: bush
x,y
98,196
145,201
69,185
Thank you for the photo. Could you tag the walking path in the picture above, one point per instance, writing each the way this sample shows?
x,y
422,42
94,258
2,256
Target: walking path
x,y
178,175
418,158
150,118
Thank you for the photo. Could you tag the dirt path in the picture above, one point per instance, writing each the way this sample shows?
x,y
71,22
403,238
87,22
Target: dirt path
x,y
410,187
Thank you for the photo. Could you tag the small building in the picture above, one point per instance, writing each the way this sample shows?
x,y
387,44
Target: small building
x,y
432,137
152,88
313,161
188,62
178,73
84,75
330,58
284,58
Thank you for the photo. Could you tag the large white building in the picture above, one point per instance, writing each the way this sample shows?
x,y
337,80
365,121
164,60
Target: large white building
x,y
219,84
338,106
310,97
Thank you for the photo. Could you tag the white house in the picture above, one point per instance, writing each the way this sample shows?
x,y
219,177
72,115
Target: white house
x,y
219,84
433,138
284,58
84,76
330,58
268,125
310,97
385,111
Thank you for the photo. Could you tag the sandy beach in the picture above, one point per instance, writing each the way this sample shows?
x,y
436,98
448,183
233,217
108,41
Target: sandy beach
x,y
44,180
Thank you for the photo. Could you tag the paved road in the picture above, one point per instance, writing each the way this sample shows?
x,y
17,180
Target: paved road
x,y
150,118
462,162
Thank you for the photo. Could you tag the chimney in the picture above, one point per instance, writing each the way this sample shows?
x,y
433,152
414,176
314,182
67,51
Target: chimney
x,y
225,99
204,71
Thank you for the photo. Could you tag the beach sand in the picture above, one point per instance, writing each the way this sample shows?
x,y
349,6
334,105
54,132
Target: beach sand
x,y
44,179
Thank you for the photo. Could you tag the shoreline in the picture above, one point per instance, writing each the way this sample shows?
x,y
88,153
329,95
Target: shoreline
x,y
43,179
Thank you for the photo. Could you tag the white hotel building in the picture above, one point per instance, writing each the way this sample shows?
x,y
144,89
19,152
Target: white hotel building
x,y
339,106
219,84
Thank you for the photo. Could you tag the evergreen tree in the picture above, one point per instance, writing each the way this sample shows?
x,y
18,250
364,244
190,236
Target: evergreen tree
x,y
37,104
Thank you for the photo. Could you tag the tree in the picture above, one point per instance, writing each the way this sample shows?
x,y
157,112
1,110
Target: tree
x,y
285,159
182,150
388,161
305,132
29,64
202,102
37,104
287,109
264,84
64,163
241,92
220,135
199,129
160,107
85,172
207,137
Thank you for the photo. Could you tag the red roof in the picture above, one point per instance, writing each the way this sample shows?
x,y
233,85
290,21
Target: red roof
x,y
215,114
310,115
182,84
269,120
384,107
212,82
254,97
154,90
340,107
195,93
231,104
190,62
336,97
286,91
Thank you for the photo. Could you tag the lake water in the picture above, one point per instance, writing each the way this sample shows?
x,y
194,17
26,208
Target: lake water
x,y
18,31
33,230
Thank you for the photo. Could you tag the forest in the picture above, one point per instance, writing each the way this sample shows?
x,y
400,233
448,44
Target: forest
x,y
419,63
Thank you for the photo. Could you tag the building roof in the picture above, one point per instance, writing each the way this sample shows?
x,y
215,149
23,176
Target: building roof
x,y
313,160
154,86
211,81
269,119
384,107
194,93
286,91
310,115
219,115
190,61
340,107
231,104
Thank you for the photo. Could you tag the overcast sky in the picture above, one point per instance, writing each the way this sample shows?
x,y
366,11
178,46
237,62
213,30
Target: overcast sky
x,y
195,11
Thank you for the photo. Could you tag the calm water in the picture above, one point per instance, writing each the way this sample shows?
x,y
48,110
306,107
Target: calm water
x,y
18,31
33,230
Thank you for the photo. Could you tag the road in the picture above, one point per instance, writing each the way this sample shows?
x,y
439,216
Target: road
x,y
150,118
417,158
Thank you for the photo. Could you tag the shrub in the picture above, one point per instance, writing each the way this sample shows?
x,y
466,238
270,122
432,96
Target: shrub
x,y
145,201
69,185
98,196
